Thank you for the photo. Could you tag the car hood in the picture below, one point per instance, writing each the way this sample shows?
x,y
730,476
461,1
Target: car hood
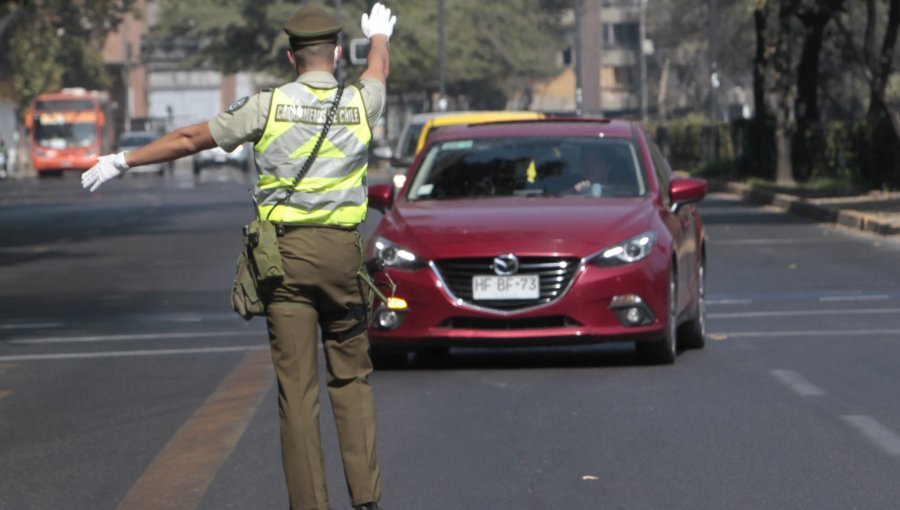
x,y
566,226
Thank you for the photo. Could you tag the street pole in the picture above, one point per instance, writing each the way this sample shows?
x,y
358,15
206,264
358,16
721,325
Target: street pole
x,y
642,58
713,65
442,58
579,90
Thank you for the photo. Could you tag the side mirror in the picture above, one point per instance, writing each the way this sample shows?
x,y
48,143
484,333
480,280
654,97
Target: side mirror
x,y
381,196
684,191
383,152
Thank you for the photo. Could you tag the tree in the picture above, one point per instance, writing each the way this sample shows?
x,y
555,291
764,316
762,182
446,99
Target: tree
x,y
490,52
876,61
56,43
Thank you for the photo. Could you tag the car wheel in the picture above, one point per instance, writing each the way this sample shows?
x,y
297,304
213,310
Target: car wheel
x,y
387,358
664,350
693,334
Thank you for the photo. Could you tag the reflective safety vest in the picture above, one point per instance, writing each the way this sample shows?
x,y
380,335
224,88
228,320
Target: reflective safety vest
x,y
333,192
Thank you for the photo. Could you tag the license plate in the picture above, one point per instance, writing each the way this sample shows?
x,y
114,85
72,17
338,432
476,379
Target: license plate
x,y
524,286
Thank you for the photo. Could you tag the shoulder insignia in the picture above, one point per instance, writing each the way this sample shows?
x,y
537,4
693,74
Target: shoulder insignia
x,y
237,105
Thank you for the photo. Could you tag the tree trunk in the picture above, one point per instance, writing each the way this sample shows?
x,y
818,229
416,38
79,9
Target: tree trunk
x,y
881,67
782,93
761,135
808,70
663,89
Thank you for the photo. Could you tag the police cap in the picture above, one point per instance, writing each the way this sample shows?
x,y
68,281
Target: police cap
x,y
313,24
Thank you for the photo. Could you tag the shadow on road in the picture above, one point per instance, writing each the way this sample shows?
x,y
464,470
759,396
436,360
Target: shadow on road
x,y
606,355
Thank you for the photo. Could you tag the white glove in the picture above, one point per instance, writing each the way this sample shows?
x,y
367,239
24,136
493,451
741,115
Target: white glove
x,y
380,22
107,167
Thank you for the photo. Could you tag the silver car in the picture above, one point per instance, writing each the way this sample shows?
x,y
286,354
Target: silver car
x,y
130,140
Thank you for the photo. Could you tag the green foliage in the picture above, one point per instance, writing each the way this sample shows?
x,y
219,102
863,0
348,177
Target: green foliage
x,y
56,43
492,47
724,169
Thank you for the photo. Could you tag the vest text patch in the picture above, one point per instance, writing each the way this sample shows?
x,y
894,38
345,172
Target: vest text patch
x,y
346,115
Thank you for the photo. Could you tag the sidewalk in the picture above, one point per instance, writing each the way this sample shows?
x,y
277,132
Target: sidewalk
x,y
876,212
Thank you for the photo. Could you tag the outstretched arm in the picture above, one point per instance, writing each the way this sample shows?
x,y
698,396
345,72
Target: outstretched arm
x,y
378,60
173,145
378,28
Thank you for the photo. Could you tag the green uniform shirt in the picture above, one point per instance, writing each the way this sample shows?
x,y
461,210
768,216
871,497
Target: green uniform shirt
x,y
245,120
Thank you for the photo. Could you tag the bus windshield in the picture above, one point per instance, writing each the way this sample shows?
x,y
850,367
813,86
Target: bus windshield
x,y
65,136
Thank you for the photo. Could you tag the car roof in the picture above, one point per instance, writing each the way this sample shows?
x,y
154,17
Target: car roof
x,y
551,126
421,118
472,117
483,116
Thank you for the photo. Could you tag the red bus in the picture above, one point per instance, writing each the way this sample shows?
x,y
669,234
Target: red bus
x,y
69,130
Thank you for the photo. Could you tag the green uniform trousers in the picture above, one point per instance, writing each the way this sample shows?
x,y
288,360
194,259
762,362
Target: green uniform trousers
x,y
321,288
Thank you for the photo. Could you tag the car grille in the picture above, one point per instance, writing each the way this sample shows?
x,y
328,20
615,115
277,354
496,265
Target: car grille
x,y
555,273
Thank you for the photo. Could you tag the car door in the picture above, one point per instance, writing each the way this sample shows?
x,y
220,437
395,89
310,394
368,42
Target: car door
x,y
682,224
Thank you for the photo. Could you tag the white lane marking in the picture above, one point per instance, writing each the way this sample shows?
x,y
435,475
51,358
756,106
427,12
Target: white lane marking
x,y
126,354
770,334
797,383
877,297
883,437
754,242
114,338
729,301
31,325
794,313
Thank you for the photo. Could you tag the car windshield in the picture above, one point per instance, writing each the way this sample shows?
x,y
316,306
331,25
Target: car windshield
x,y
546,167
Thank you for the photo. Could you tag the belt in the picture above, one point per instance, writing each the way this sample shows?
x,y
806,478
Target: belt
x,y
283,228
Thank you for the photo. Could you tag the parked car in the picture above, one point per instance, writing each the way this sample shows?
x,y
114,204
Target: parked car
x,y
240,158
545,232
130,140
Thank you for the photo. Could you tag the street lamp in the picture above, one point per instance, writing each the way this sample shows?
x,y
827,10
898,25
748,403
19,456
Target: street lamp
x,y
579,84
442,58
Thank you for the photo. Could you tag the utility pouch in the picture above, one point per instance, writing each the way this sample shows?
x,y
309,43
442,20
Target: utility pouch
x,y
261,238
246,300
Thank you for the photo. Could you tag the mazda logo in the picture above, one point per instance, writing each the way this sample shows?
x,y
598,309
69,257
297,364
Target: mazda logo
x,y
505,265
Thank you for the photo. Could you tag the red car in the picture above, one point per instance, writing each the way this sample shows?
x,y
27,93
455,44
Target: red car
x,y
547,232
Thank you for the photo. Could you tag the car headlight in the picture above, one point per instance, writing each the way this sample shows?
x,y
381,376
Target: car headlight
x,y
626,252
396,256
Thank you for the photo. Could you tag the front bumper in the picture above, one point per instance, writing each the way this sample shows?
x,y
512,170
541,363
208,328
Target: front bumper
x,y
580,315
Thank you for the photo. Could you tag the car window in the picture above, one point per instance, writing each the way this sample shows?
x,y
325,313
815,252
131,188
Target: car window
x,y
409,141
545,167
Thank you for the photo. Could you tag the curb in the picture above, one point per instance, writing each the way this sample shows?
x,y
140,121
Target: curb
x,y
803,207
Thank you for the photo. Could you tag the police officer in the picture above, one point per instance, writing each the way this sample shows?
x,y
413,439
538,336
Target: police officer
x,y
320,245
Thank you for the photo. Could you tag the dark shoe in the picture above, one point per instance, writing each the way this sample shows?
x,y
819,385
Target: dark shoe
x,y
368,506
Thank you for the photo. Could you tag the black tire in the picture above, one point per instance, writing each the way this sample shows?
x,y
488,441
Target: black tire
x,y
665,350
387,358
692,335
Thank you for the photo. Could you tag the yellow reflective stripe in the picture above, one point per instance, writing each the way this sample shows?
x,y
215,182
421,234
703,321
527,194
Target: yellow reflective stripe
x,y
322,94
344,216
314,184
361,131
328,149
273,129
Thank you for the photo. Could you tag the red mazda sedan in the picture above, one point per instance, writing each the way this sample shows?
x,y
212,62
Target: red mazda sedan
x,y
547,232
